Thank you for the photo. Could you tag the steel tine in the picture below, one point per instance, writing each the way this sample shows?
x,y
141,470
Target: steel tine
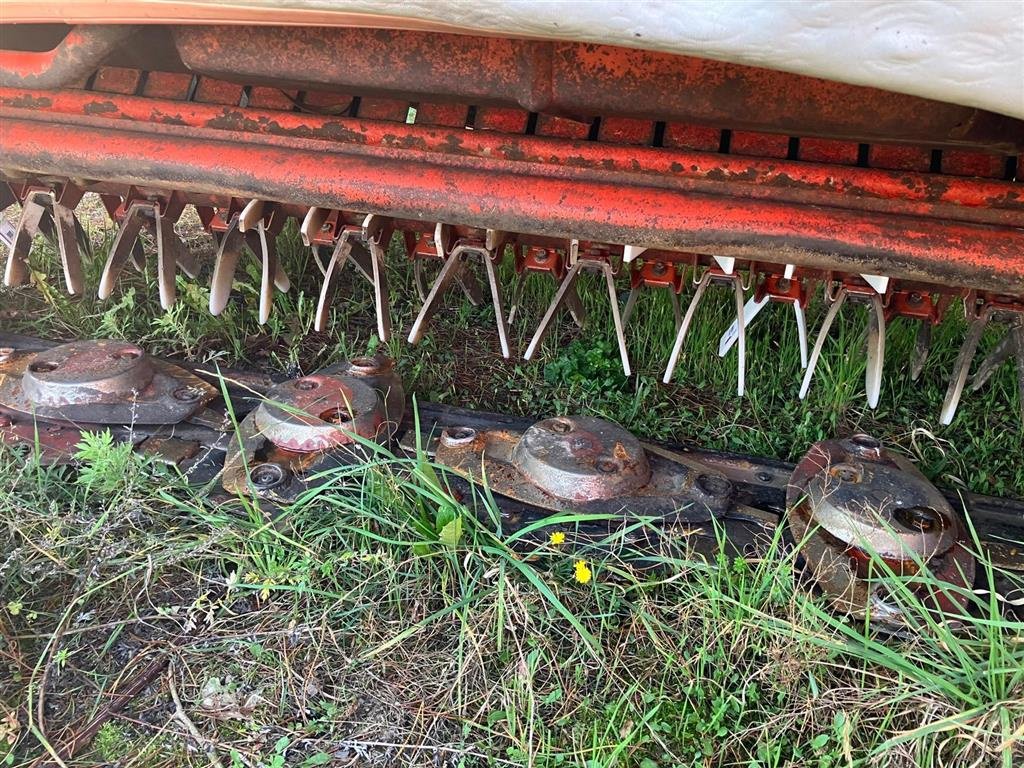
x,y
419,278
138,254
68,247
254,241
312,224
999,354
452,268
471,287
876,351
228,255
125,243
922,346
613,300
801,332
1018,355
381,293
819,343
962,366
165,261
268,269
627,311
691,310
741,338
499,310
575,306
676,311
374,228
17,269
46,227
339,256
362,260
517,296
183,257
560,297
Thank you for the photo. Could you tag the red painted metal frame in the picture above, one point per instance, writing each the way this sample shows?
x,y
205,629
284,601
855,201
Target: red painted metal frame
x,y
76,56
916,226
580,80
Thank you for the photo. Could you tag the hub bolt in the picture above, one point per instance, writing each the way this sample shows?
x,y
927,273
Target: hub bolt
x,y
306,384
186,394
267,475
458,436
607,466
847,473
923,519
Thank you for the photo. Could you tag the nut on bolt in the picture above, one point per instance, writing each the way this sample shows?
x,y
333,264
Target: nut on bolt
x,y
455,436
186,394
267,475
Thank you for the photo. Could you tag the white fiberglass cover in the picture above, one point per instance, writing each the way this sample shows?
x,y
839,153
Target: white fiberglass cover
x,y
968,52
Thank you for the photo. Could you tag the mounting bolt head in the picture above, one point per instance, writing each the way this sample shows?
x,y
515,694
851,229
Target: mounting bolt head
x,y
454,436
186,394
6,353
267,475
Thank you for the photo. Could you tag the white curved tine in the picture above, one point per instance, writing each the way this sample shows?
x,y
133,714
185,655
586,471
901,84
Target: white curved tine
x,y
560,297
517,295
574,304
801,332
165,258
499,309
339,256
16,272
1018,335
634,294
419,279
183,257
253,242
922,346
381,295
67,227
124,247
373,233
250,214
362,259
268,269
613,300
676,311
471,288
312,224
452,268
1006,347
741,338
228,255
876,351
691,310
812,362
962,366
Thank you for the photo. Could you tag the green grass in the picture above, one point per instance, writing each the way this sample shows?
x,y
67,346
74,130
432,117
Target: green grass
x,y
379,621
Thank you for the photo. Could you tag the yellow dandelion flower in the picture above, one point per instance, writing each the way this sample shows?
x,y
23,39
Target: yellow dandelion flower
x,y
557,538
583,572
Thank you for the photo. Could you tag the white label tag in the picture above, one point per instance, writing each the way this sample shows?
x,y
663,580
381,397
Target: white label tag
x,y
7,233
732,333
